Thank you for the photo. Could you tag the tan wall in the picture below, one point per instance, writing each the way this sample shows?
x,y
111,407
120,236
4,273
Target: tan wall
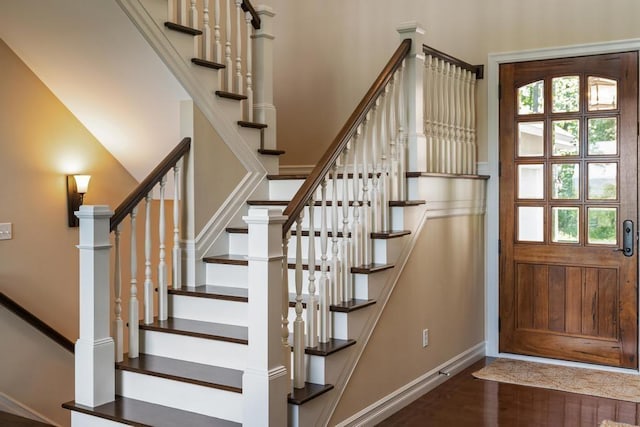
x,y
441,288
218,171
328,52
41,141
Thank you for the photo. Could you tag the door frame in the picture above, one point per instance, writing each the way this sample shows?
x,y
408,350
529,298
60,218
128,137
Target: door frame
x,y
492,218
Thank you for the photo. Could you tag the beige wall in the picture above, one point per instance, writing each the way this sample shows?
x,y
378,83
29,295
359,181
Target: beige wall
x,y
441,288
217,170
41,141
328,52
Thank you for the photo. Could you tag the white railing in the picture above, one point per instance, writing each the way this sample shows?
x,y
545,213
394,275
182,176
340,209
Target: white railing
x,y
229,44
450,113
369,155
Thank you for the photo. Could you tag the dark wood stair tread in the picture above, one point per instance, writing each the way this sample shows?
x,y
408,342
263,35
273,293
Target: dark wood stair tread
x,y
226,293
183,29
444,175
230,95
252,125
142,414
179,370
377,235
208,64
199,329
244,260
317,203
269,152
327,348
401,203
284,177
343,307
310,391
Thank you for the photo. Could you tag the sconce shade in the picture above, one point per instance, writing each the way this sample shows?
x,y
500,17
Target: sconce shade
x,y
82,183
77,186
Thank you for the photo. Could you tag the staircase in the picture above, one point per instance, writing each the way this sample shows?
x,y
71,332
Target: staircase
x,y
351,224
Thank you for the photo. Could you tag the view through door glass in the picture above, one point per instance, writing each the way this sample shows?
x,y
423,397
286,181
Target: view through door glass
x,y
568,183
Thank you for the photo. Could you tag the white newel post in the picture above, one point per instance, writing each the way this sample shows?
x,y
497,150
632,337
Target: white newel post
x,y
95,349
265,383
414,79
263,109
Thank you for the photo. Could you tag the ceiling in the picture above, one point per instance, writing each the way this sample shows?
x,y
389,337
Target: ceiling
x,y
97,63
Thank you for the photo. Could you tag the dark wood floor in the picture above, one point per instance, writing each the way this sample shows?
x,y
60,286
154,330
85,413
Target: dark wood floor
x,y
465,401
10,420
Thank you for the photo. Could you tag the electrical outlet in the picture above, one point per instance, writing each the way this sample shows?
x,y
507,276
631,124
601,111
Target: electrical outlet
x,y
425,337
5,231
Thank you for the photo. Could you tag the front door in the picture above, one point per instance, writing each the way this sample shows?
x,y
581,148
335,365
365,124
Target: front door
x,y
568,209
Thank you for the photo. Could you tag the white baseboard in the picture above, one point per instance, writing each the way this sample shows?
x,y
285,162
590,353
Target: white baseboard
x,y
405,395
12,406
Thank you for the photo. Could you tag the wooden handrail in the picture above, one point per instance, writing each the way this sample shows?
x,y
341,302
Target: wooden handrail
x,y
478,70
149,182
255,19
344,136
34,321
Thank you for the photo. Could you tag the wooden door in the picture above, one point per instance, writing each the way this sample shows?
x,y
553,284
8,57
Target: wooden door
x,y
568,180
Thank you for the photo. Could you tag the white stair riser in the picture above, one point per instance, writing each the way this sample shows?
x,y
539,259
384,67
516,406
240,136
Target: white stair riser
x,y
326,370
227,275
286,189
180,395
317,216
348,325
360,284
406,218
78,419
209,310
307,415
194,349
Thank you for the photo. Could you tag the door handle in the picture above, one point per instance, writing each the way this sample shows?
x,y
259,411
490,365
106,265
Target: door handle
x,y
627,238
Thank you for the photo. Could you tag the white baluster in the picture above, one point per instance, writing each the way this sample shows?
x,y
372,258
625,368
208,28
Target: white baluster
x,y
336,294
117,294
325,283
239,88
467,122
312,302
171,11
299,371
374,194
216,32
193,15
249,101
473,125
133,295
447,118
346,240
356,228
163,311
441,141
176,257
206,32
452,119
227,52
148,284
393,138
383,184
428,111
402,138
286,348
182,11
459,157
366,212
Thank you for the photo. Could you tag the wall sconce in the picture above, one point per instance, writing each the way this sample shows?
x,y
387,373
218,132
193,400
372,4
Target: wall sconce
x,y
77,186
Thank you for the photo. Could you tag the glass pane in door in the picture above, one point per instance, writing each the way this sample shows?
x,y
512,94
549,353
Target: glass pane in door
x,y
565,137
565,95
565,224
602,226
602,136
531,223
565,182
531,139
603,180
531,98
602,93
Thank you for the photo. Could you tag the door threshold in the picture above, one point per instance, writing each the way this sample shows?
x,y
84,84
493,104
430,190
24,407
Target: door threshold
x,y
567,363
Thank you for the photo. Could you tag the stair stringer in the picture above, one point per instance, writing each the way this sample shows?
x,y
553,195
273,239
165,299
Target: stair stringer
x,y
469,199
250,185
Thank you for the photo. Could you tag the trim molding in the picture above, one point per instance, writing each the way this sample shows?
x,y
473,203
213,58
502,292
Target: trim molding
x,y
12,406
408,393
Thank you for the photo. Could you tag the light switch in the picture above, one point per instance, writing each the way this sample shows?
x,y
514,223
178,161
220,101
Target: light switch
x,y
5,231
